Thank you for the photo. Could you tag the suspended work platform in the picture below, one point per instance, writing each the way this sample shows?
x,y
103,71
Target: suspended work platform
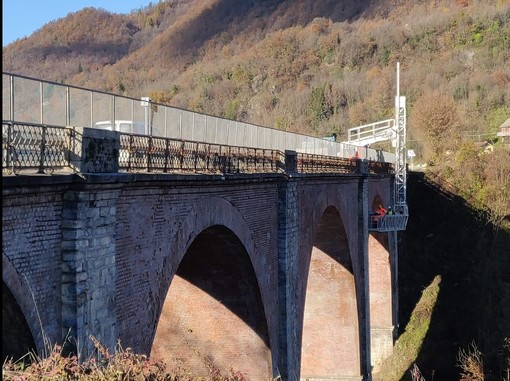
x,y
388,222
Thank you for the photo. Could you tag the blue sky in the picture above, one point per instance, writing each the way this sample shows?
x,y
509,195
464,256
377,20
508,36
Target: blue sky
x,y
21,18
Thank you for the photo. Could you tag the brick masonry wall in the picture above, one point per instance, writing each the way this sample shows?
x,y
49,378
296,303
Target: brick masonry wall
x,y
214,308
31,249
314,197
383,307
380,188
147,259
381,318
288,248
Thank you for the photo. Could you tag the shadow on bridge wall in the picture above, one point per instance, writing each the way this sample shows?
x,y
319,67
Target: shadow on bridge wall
x,y
213,313
17,340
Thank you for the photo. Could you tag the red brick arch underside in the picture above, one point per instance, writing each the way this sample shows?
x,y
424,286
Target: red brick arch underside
x,y
330,343
214,312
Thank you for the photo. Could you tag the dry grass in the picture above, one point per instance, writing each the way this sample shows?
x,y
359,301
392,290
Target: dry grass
x,y
409,343
124,365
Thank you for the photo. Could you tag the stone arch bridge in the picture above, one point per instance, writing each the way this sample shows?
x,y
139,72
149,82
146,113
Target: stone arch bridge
x,y
272,274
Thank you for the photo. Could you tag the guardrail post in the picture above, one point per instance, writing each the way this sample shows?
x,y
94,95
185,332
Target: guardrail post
x,y
181,155
167,154
42,150
195,158
149,155
362,167
7,150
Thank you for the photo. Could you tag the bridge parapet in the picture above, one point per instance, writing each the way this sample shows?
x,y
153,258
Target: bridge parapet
x,y
33,148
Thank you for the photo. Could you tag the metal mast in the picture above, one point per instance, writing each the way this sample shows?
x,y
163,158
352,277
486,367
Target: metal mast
x,y
394,130
400,151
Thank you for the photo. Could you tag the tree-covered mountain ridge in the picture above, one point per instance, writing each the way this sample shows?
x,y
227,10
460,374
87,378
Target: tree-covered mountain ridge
x,y
315,67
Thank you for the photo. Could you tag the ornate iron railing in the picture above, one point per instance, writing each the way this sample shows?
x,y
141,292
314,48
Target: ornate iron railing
x,y
378,168
35,148
309,163
153,154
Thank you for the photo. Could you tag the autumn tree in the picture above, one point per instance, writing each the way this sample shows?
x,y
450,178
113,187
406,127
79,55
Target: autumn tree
x,y
497,185
436,122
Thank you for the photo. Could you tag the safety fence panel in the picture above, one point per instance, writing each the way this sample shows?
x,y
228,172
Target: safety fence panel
x,y
27,101
53,104
6,97
80,108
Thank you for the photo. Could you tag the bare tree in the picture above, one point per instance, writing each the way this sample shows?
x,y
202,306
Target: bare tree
x,y
470,361
416,374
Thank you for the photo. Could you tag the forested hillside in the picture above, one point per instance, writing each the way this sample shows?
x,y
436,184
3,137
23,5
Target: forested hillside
x,y
319,67
449,240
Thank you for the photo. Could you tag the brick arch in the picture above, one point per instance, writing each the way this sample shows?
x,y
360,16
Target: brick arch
x,y
377,202
19,315
331,339
206,213
213,269
379,193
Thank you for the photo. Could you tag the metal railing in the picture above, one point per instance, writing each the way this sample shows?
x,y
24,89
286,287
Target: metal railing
x,y
310,163
372,133
387,223
35,101
152,154
32,148
39,149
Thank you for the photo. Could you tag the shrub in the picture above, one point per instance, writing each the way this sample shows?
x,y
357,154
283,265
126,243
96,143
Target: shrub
x,y
124,365
471,362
